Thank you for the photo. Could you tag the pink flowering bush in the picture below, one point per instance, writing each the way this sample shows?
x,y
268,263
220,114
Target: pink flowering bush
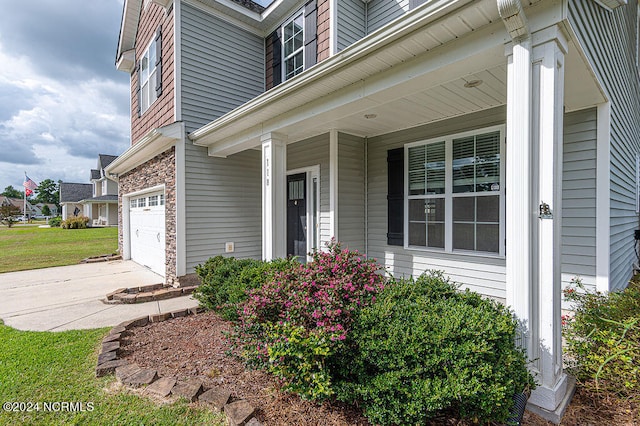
x,y
300,318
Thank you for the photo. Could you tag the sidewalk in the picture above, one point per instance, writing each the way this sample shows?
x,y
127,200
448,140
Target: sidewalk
x,y
70,297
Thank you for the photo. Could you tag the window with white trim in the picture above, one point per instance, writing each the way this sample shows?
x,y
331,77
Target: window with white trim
x,y
293,46
455,193
153,201
161,199
148,77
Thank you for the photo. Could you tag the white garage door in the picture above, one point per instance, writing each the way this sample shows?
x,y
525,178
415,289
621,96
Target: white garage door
x,y
147,229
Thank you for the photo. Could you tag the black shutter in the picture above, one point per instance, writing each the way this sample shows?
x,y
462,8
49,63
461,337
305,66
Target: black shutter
x,y
138,91
395,197
277,57
310,34
159,62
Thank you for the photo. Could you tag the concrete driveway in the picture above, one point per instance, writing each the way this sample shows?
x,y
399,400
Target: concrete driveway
x,y
70,297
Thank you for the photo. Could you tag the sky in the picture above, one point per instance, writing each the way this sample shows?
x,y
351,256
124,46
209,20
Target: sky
x,y
62,101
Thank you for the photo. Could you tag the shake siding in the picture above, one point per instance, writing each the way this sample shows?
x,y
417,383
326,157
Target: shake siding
x,y
311,152
483,274
351,190
351,22
381,12
324,30
222,67
161,112
579,197
609,40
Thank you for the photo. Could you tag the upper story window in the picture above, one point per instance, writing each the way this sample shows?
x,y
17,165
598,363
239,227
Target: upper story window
x,y
148,76
293,46
455,193
104,187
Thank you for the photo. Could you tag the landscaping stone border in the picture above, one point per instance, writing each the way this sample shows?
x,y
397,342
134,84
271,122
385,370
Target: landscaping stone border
x,y
147,293
238,412
103,258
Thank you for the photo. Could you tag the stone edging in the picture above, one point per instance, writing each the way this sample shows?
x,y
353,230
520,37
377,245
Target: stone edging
x,y
104,258
147,293
239,413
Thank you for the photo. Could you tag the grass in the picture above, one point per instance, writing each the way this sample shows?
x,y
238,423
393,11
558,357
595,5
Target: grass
x,y
30,247
39,367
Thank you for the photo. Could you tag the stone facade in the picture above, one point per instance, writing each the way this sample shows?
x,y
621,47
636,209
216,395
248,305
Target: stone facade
x,y
160,170
162,111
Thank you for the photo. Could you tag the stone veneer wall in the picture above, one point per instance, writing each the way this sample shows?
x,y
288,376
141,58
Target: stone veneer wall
x,y
160,170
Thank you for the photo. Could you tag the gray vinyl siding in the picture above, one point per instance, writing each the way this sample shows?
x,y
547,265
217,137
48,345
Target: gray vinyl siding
x,y
313,152
223,204
609,40
351,22
351,191
222,66
381,12
579,196
483,274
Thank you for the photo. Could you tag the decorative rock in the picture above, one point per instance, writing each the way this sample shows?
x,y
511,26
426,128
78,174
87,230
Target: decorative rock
x,y
140,322
189,289
253,422
126,370
238,412
107,356
188,390
109,367
113,293
162,387
111,338
144,297
118,329
217,397
180,313
161,294
125,298
196,310
159,317
150,287
110,347
145,376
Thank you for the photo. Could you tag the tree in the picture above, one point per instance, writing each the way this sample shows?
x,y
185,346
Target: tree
x,y
11,192
7,213
46,211
47,192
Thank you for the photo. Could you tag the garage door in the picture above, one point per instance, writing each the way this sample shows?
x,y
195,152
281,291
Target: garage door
x,y
147,231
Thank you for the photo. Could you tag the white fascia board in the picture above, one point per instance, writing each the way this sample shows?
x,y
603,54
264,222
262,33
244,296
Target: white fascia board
x,y
356,52
128,27
127,61
155,142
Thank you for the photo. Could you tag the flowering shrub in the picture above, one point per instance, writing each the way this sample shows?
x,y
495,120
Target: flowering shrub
x,y
75,222
299,319
603,339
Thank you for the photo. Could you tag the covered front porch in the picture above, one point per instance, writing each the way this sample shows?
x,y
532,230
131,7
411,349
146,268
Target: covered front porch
x,y
438,143
101,211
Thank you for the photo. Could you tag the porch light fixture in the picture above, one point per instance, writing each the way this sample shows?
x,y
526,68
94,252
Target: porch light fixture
x,y
370,116
472,83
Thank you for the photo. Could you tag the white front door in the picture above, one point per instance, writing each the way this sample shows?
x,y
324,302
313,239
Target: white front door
x,y
147,231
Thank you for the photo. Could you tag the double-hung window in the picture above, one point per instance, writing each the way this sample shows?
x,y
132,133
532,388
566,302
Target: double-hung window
x,y
293,46
455,193
148,77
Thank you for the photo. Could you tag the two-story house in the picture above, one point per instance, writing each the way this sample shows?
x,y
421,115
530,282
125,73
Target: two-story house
x,y
495,140
98,200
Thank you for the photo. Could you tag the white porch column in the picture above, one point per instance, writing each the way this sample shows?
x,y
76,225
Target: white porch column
x,y
333,184
535,109
274,217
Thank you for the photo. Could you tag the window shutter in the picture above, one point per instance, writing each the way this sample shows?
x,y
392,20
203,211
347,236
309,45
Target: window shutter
x,y
310,34
395,197
138,87
277,57
159,62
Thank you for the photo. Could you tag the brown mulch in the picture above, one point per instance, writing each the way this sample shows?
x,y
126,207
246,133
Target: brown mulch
x,y
196,347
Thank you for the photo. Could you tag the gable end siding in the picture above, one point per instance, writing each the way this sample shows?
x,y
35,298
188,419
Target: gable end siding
x,y
351,22
381,12
609,40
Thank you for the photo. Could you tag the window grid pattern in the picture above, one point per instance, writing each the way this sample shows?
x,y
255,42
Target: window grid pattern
x,y
148,77
293,46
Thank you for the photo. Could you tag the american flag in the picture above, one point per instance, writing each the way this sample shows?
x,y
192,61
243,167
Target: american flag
x,y
29,185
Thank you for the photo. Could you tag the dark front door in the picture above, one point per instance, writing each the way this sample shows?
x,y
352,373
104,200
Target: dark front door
x,y
297,215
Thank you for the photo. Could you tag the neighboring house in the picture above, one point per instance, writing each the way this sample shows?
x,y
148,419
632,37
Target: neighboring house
x,y
20,204
98,200
53,209
495,140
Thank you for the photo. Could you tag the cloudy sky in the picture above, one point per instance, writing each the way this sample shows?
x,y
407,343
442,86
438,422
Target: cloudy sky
x,y
62,102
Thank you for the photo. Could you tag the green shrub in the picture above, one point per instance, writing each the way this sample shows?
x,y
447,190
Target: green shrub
x,y
55,222
294,323
225,281
75,222
603,339
425,349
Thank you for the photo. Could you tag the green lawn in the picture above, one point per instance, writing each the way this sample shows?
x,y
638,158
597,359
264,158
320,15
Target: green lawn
x,y
30,247
39,367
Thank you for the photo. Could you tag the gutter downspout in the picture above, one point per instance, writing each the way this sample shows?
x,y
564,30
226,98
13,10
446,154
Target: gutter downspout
x,y
514,19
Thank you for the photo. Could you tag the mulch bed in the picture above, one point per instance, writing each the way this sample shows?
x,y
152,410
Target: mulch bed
x,y
196,347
